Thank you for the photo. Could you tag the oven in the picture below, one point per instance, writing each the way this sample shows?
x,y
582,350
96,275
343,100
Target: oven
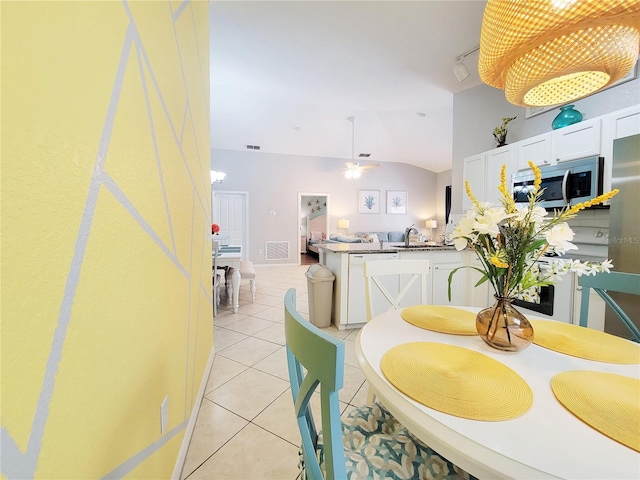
x,y
555,300
567,183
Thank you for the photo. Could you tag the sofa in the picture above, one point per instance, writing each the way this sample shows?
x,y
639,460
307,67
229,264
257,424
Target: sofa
x,y
367,237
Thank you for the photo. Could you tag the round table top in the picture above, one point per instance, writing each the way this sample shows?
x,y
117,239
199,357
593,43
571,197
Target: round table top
x,y
546,442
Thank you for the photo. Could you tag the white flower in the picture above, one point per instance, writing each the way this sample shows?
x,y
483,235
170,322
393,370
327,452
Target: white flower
x,y
488,222
606,265
558,238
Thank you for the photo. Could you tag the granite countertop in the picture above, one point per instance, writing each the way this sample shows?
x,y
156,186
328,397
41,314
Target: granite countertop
x,y
384,248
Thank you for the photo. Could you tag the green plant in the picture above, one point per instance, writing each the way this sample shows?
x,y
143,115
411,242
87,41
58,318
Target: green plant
x,y
500,133
510,239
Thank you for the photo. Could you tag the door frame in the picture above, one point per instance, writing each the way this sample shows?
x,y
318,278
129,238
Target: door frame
x,y
299,218
245,227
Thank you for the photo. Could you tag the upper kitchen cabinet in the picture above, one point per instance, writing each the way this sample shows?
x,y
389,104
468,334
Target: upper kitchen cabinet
x,y
576,141
473,170
619,124
483,173
537,149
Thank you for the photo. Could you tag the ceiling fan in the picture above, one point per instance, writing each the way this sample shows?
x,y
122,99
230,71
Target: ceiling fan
x,y
354,169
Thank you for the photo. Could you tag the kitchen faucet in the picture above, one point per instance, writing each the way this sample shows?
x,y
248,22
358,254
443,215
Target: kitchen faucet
x,y
410,229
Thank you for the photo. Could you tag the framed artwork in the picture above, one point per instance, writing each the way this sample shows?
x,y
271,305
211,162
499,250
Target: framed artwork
x,y
396,201
533,111
369,201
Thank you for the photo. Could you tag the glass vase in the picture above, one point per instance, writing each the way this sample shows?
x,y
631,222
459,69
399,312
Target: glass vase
x,y
503,327
567,116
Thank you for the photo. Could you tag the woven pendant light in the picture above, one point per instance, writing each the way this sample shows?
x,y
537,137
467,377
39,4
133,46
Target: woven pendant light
x,y
549,52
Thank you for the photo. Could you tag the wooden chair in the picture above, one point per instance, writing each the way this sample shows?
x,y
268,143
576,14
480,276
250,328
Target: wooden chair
x,y
610,282
375,270
370,443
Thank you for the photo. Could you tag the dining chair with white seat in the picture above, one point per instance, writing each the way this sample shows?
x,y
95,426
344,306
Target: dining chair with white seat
x,y
375,270
218,274
370,443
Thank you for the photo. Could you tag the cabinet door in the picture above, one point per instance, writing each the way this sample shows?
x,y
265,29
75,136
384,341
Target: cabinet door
x,y
537,149
623,123
576,141
474,171
443,264
494,162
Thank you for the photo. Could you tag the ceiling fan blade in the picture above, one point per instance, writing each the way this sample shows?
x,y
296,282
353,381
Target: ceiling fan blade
x,y
369,167
351,165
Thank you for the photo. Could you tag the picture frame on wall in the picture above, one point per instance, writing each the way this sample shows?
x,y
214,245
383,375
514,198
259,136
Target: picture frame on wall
x,y
397,201
369,201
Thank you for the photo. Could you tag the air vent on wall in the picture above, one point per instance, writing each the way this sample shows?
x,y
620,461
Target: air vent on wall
x,y
253,147
365,155
278,250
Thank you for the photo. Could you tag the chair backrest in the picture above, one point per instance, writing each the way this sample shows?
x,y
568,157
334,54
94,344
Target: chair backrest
x,y
322,356
610,282
374,270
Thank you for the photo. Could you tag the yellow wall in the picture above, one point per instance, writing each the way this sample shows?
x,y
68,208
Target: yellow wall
x,y
105,209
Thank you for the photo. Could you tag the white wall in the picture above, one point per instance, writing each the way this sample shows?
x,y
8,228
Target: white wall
x,y
274,181
477,111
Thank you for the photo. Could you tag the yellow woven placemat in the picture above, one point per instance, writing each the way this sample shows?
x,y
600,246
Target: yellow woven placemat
x,y
584,342
440,318
457,381
608,402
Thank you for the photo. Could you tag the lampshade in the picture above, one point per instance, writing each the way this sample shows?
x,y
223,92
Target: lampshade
x,y
217,176
548,52
343,223
431,224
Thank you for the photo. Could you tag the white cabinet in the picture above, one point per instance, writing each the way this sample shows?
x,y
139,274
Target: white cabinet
x,y
357,307
443,264
474,171
576,141
483,173
479,296
619,124
537,149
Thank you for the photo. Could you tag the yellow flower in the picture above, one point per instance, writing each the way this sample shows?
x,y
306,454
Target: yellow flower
x,y
508,202
470,195
602,198
537,176
495,260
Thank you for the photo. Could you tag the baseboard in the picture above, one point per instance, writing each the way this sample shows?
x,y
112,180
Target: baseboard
x,y
182,455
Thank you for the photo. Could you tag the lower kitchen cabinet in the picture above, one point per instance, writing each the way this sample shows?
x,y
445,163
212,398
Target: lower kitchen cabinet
x,y
349,307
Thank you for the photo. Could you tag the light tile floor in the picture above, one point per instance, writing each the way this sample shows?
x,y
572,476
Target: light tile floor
x,y
246,427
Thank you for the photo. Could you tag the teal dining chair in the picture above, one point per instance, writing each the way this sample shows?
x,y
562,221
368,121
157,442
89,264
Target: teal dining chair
x,y
369,443
610,282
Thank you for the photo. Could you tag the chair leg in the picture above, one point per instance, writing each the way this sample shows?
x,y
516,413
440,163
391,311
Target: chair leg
x,y
252,283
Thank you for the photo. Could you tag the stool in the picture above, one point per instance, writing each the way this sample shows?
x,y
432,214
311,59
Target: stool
x,y
246,271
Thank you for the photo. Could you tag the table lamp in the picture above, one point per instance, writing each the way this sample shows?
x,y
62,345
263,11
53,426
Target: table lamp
x,y
431,224
343,224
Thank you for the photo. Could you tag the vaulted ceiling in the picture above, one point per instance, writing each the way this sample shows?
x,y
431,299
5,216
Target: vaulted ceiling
x,y
285,76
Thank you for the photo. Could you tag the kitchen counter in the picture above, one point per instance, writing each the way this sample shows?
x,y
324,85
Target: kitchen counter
x,y
383,248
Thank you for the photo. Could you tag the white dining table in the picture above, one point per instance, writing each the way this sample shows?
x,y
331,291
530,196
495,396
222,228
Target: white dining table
x,y
545,442
230,256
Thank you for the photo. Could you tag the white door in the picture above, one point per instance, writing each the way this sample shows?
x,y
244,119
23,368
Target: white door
x,y
230,212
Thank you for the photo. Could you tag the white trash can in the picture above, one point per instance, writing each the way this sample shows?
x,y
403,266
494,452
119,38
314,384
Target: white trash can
x,y
320,291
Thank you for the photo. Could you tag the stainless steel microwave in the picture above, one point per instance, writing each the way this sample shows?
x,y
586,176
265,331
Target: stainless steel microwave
x,y
564,184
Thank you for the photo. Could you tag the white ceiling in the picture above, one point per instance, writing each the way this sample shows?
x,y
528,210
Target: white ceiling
x,y
287,75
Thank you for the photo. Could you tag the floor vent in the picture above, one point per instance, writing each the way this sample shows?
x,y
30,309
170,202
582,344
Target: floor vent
x,y
277,250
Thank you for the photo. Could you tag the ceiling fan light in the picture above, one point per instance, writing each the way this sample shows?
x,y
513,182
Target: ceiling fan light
x,y
542,55
356,173
348,174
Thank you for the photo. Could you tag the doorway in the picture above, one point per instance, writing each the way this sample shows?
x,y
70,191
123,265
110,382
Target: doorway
x,y
313,226
230,210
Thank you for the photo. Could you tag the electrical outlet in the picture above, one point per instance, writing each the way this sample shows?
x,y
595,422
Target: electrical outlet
x,y
272,213
164,414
